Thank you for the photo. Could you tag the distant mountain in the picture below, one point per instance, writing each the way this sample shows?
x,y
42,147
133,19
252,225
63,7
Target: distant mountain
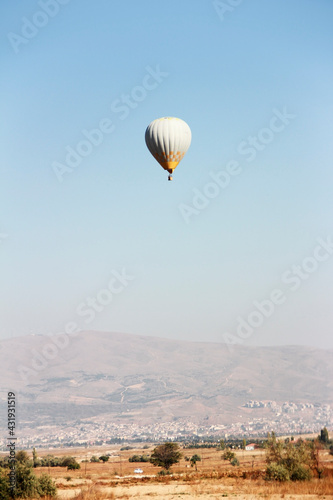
x,y
57,379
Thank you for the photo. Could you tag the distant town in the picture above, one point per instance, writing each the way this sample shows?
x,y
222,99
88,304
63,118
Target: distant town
x,y
287,418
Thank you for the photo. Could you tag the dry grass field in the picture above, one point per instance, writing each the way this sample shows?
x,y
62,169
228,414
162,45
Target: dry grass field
x,y
214,478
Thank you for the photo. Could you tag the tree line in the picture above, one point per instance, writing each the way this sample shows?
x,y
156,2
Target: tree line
x,y
286,460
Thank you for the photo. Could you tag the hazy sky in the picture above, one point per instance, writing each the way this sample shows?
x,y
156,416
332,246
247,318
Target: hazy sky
x,y
91,231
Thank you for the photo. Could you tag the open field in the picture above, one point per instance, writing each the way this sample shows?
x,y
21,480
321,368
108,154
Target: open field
x,y
214,478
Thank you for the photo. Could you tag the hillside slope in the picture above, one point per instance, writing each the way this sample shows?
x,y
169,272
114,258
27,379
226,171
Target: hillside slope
x,y
122,374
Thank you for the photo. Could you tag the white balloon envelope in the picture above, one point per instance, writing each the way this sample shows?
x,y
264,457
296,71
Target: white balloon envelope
x,y
168,139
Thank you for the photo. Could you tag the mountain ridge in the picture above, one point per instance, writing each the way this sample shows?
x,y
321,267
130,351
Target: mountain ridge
x,y
125,374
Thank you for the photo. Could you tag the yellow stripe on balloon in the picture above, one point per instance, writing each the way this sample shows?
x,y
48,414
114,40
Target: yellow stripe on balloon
x,y
169,165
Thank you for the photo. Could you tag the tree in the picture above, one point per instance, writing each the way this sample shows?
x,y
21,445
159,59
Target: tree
x,y
165,455
275,472
139,458
222,444
324,438
28,485
94,459
4,485
4,462
243,444
35,460
70,463
316,465
194,459
50,461
22,456
104,458
288,461
73,466
26,482
228,455
47,486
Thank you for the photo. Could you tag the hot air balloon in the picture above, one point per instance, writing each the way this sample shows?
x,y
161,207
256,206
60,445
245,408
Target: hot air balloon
x,y
168,139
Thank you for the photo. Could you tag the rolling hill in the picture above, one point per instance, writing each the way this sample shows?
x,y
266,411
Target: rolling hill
x,y
57,379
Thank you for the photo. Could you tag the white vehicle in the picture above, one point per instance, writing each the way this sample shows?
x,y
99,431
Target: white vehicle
x,y
138,471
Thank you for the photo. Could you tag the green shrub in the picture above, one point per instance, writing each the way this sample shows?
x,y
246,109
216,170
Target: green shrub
x,y
73,466
47,486
27,484
300,473
69,461
292,460
163,472
139,458
275,472
4,462
4,485
234,461
228,455
51,461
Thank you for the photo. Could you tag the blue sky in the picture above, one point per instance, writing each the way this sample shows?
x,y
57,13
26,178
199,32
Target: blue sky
x,y
230,73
